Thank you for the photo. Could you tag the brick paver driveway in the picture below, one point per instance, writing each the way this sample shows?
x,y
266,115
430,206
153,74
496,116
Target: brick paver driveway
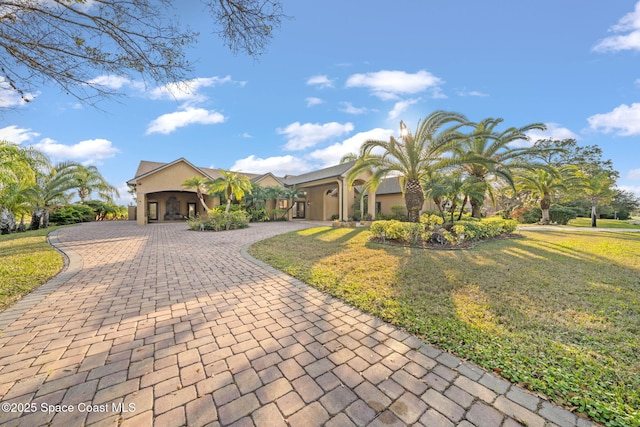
x,y
158,325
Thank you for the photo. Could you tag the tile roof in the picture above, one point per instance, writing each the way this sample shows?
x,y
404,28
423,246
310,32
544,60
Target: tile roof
x,y
330,172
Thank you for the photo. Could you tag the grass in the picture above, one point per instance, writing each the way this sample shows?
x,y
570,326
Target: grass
x,y
556,311
603,223
26,262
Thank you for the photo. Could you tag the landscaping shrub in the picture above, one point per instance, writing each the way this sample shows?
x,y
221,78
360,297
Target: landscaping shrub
x,y
218,220
258,215
527,214
72,214
562,214
399,212
431,220
432,232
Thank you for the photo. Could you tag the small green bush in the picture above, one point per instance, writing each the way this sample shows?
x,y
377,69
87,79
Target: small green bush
x,y
464,230
218,220
399,211
72,214
527,214
562,214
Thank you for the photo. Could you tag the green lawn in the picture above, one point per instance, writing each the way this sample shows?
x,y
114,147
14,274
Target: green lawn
x,y
26,262
556,311
602,223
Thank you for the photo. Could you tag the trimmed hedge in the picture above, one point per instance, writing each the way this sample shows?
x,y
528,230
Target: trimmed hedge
x,y
217,220
431,230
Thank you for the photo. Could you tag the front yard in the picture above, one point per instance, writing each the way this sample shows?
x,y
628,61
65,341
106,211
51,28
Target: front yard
x,y
557,311
26,262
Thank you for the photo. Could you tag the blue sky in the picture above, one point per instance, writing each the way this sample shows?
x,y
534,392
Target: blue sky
x,y
340,72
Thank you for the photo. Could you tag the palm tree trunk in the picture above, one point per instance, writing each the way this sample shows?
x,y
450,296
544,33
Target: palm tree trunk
x,y
476,209
545,204
36,218
414,199
464,203
593,216
7,221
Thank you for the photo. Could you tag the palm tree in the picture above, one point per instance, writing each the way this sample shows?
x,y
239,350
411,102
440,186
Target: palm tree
x,y
200,185
19,168
233,184
486,155
544,183
51,188
89,179
410,158
289,194
598,188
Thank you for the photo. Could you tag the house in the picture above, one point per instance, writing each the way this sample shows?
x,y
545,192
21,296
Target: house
x,y
326,195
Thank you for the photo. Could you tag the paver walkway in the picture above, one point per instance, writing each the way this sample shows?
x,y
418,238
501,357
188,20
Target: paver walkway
x,y
158,325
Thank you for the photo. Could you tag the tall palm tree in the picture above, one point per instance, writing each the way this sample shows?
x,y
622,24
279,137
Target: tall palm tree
x,y
488,155
411,157
89,179
598,188
544,183
233,184
200,185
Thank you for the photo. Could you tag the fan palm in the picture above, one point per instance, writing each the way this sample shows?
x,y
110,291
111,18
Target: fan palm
x,y
411,157
232,184
488,155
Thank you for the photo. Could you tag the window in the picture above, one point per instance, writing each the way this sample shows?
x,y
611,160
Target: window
x,y
378,207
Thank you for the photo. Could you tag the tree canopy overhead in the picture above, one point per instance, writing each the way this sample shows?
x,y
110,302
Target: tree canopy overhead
x,y
71,42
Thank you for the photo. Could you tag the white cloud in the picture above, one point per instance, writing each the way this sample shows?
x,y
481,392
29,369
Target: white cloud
x,y
554,131
388,85
629,26
321,81
635,189
634,175
110,81
278,165
168,123
624,120
471,93
348,108
311,101
400,107
188,91
9,98
17,135
331,155
302,136
87,151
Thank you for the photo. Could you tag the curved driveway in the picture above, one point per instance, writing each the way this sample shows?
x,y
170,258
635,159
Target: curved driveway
x,y
159,325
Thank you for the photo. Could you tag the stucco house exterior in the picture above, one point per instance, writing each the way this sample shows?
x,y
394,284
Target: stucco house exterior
x,y
326,194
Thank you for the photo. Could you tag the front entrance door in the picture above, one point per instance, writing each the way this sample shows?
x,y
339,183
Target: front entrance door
x,y
191,210
300,210
152,209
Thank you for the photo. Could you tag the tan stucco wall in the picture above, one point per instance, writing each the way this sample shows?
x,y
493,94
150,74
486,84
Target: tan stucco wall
x,y
160,185
169,178
322,207
388,200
